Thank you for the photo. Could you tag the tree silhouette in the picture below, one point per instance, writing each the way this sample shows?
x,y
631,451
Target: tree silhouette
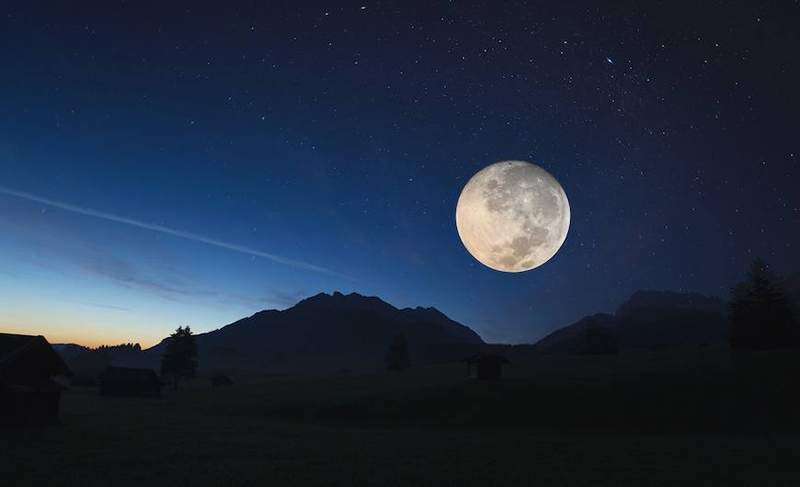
x,y
761,315
180,359
124,348
397,357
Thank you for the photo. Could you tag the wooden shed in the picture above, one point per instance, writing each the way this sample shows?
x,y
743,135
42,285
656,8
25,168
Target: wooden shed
x,y
486,366
28,394
221,381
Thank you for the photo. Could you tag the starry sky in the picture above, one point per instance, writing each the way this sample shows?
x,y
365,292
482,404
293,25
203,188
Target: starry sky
x,y
166,164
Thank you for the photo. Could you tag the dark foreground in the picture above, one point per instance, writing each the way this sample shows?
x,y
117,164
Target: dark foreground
x,y
382,429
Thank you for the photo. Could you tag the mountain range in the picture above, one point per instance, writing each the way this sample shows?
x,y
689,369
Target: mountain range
x,y
658,320
323,331
343,331
327,330
650,320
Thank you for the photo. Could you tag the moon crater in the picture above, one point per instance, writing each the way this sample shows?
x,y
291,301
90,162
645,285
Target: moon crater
x,y
513,216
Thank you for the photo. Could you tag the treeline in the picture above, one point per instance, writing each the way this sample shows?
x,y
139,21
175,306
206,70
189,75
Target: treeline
x,y
124,347
178,362
89,364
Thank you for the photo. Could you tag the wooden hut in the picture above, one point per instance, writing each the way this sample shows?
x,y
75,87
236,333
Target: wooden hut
x,y
28,394
129,382
221,381
486,366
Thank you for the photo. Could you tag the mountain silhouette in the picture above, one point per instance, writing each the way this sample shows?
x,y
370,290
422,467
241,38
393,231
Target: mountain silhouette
x,y
792,287
68,351
326,330
650,320
567,339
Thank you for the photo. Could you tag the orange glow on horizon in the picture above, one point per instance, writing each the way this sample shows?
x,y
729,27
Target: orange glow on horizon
x,y
79,335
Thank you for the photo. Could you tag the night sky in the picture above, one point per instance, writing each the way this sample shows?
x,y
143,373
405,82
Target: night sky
x,y
164,166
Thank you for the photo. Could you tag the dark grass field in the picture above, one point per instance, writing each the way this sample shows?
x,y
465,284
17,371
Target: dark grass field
x,y
695,418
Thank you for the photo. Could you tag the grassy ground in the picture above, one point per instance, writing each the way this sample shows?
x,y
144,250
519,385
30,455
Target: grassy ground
x,y
350,429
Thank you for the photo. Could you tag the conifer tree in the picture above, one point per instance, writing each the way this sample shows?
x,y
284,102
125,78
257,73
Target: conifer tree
x,y
761,315
179,361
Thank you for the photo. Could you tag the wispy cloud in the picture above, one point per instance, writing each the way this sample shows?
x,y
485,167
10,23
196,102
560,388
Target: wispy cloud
x,y
157,279
286,298
168,231
104,306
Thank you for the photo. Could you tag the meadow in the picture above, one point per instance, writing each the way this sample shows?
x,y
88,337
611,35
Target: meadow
x,y
699,417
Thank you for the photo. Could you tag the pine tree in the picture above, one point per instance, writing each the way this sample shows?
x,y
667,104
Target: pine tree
x,y
180,359
761,315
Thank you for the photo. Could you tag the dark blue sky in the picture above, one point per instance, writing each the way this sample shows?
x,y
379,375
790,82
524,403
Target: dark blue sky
x,y
339,137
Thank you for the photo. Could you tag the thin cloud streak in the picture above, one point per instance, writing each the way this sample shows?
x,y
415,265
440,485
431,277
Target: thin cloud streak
x,y
169,231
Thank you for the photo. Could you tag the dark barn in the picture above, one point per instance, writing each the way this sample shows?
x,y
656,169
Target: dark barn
x,y
28,395
486,366
221,381
128,382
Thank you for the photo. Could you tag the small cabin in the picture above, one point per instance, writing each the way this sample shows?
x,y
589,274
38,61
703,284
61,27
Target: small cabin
x,y
129,382
28,394
221,381
486,366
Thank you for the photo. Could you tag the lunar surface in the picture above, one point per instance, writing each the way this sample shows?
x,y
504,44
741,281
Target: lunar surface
x,y
513,216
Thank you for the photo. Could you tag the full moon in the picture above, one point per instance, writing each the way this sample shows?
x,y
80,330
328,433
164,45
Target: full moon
x,y
513,216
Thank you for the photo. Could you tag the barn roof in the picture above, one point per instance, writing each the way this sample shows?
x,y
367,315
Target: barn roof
x,y
9,344
29,355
